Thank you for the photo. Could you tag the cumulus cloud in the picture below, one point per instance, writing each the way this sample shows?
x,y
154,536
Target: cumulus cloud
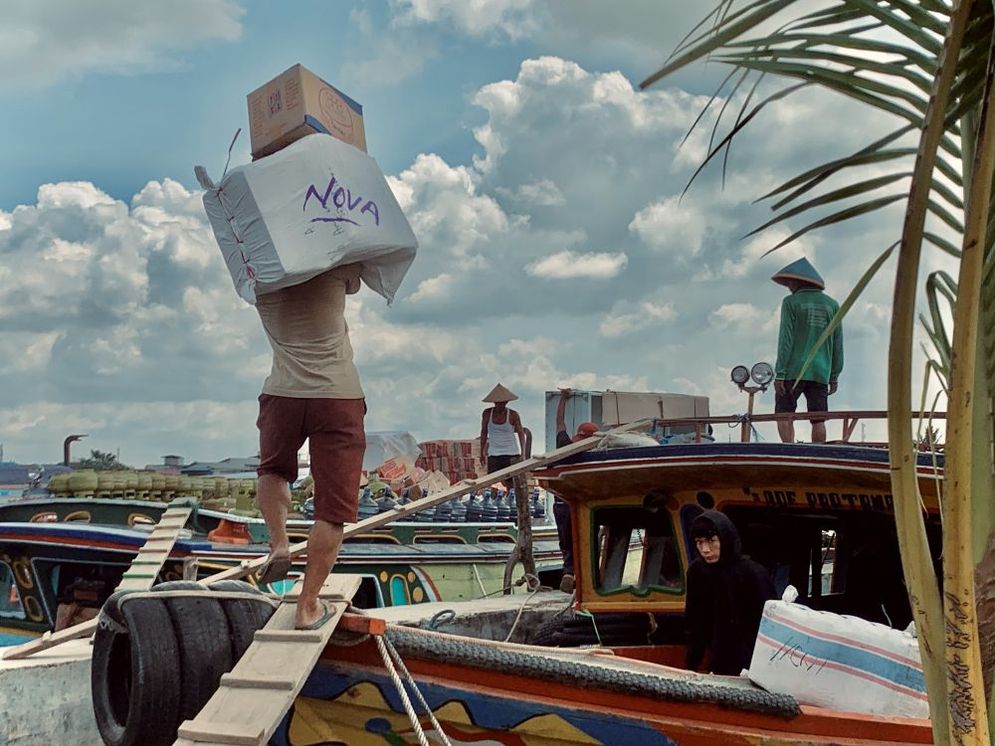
x,y
118,318
445,208
744,317
666,225
505,18
45,41
432,287
541,193
647,314
569,264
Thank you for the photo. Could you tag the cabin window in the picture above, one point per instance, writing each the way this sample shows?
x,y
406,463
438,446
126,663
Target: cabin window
x,y
371,539
439,539
10,597
636,551
846,562
498,538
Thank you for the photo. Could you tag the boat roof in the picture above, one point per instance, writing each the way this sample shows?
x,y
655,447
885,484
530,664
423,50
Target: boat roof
x,y
809,451
677,468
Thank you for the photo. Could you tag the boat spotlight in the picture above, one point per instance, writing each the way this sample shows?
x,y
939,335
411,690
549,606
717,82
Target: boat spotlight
x,y
762,374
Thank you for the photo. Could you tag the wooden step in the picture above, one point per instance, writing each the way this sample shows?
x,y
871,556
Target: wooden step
x,y
252,700
258,682
225,733
293,635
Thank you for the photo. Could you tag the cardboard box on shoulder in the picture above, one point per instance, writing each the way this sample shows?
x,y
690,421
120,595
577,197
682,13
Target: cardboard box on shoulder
x,y
297,103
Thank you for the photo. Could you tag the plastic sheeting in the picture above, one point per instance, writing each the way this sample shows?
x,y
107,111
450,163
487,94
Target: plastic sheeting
x,y
383,446
315,205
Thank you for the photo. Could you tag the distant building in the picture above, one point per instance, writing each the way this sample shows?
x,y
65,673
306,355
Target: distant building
x,y
223,467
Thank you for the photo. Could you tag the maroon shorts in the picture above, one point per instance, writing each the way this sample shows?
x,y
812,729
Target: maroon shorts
x,y
337,441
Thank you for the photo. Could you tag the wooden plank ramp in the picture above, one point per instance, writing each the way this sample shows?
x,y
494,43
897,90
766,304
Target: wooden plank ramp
x,y
253,698
139,576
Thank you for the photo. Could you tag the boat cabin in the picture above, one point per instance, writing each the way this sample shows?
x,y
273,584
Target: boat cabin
x,y
818,517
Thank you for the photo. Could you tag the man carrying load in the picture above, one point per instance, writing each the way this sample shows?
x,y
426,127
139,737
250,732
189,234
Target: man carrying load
x,y
313,393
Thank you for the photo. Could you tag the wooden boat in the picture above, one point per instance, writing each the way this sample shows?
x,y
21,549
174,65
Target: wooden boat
x,y
798,507
55,550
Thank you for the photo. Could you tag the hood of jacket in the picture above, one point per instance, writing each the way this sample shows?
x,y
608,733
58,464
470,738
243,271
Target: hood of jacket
x,y
731,547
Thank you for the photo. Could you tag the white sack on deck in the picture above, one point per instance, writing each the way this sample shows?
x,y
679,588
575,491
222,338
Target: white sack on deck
x,y
315,205
836,661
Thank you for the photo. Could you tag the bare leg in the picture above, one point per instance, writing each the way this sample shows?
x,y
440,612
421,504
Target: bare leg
x,y
273,496
818,432
786,429
322,551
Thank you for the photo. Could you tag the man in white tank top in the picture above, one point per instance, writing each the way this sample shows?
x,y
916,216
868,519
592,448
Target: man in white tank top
x,y
502,437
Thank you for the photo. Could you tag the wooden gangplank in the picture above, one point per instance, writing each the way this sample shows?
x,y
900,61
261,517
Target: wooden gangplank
x,y
252,700
139,576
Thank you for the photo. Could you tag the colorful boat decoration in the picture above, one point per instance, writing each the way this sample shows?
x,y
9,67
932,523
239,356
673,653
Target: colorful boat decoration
x,y
57,551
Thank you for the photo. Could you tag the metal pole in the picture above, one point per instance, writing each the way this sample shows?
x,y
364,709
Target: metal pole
x,y
65,446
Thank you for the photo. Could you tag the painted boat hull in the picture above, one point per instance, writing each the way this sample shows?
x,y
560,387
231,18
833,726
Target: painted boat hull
x,y
569,699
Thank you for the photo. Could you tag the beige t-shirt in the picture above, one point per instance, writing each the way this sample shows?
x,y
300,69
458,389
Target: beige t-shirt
x,y
306,327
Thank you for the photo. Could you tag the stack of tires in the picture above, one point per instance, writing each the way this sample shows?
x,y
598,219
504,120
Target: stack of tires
x,y
156,662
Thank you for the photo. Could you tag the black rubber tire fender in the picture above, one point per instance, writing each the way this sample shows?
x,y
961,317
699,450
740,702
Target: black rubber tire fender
x,y
547,631
244,616
134,678
201,629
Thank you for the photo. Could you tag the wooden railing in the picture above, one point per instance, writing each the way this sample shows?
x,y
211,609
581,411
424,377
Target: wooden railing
x,y
849,419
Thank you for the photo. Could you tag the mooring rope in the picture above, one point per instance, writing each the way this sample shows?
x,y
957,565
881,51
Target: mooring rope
x,y
414,687
528,578
401,691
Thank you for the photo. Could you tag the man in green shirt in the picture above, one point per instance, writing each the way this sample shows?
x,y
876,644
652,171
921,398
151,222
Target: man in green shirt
x,y
805,314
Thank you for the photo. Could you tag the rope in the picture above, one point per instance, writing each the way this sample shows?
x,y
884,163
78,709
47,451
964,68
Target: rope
x,y
441,617
594,624
401,691
745,418
529,577
414,687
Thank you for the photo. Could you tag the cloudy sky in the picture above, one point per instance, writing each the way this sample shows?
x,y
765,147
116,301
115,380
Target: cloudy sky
x,y
544,188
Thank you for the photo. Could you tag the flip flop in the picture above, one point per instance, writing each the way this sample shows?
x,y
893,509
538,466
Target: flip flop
x,y
274,569
326,614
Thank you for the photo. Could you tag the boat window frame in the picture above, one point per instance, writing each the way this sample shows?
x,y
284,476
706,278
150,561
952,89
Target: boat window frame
x,y
641,589
12,615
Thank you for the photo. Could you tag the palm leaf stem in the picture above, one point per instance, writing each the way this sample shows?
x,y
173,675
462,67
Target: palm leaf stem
x,y
917,565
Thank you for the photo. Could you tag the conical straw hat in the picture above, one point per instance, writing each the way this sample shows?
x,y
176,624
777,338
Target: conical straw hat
x,y
499,394
802,271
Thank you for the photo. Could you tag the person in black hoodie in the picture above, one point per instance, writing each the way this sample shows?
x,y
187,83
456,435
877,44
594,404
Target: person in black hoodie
x,y
725,597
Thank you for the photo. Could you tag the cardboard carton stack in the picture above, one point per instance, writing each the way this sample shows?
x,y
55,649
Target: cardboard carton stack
x,y
457,459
